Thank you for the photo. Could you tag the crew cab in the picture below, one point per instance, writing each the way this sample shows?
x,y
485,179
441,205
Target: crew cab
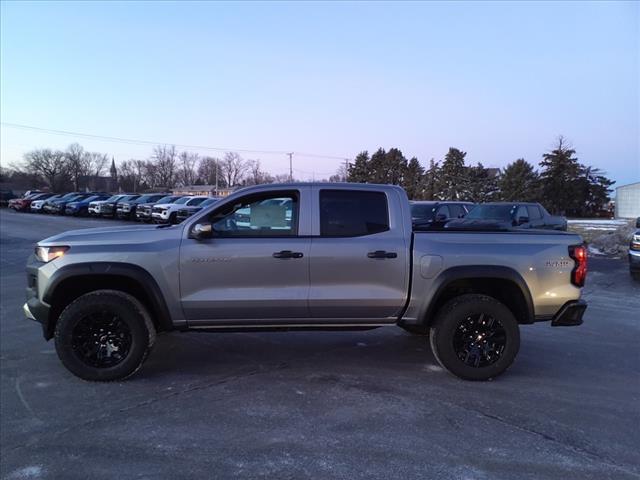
x,y
434,215
507,216
301,256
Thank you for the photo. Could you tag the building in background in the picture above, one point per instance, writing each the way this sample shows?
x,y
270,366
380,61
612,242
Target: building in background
x,y
209,190
628,201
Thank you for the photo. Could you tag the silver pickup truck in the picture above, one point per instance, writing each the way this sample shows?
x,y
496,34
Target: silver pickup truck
x,y
301,256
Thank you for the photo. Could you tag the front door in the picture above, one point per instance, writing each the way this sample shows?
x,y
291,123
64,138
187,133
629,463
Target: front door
x,y
256,265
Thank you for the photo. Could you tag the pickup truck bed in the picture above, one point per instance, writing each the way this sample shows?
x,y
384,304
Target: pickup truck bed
x,y
301,256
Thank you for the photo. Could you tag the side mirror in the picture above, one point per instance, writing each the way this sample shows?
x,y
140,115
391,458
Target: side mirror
x,y
200,231
638,222
523,220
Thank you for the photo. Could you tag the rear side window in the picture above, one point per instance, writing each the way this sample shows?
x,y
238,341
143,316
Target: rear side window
x,y
352,213
534,212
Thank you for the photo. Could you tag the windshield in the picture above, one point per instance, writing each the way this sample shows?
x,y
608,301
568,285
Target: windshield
x,y
208,201
182,200
422,211
491,212
196,201
113,199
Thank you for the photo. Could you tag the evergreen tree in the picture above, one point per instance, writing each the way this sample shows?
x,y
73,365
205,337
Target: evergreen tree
x,y
482,184
519,182
359,171
595,189
452,176
431,181
560,180
414,180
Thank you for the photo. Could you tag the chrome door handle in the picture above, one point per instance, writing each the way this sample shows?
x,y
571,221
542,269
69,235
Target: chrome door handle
x,y
288,254
382,254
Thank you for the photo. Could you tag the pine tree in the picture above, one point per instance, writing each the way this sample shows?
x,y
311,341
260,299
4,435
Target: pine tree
x,y
359,171
452,182
560,180
414,180
431,181
519,182
482,184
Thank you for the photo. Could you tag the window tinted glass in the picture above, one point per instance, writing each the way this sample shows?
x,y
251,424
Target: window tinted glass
x,y
422,211
196,201
346,213
443,210
270,215
522,212
492,212
534,212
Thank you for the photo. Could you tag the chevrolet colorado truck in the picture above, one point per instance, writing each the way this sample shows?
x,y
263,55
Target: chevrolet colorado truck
x,y
301,256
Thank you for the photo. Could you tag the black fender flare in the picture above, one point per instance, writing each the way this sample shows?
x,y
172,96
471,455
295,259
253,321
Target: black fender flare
x,y
120,269
445,278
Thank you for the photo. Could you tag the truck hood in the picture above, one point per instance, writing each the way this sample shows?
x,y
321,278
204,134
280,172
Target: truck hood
x,y
113,235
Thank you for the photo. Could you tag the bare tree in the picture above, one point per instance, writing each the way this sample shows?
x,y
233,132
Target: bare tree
x,y
77,163
210,172
97,163
256,175
234,168
49,164
188,163
132,175
164,159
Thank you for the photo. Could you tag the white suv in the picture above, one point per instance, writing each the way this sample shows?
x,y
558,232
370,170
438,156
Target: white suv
x,y
167,212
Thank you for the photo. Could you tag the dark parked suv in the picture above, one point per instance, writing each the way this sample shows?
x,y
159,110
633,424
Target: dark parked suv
x,y
507,216
430,215
126,209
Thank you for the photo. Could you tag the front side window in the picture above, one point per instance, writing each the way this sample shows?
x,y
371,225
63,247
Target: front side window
x,y
534,212
443,211
265,215
351,213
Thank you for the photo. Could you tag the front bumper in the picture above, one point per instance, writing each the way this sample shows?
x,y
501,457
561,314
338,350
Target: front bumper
x,y
570,315
34,308
634,260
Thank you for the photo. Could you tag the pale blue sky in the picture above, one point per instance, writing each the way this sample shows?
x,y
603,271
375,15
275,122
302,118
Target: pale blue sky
x,y
498,80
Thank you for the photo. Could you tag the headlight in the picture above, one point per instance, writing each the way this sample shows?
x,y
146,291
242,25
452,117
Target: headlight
x,y
46,254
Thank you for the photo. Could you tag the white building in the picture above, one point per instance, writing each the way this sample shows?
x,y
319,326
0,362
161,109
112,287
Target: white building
x,y
628,201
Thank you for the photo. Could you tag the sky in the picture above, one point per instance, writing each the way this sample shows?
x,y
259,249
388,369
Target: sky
x,y
498,80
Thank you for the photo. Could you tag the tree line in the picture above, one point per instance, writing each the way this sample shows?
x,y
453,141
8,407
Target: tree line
x,y
562,184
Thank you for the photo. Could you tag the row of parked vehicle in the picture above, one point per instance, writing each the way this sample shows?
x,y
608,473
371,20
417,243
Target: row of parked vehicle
x,y
152,207
483,216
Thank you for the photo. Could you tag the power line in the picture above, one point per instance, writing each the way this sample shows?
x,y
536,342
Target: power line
x,y
131,141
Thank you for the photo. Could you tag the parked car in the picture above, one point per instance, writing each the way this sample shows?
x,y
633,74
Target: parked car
x,y
5,197
168,212
95,206
36,205
428,215
126,210
110,206
80,208
49,205
24,204
60,206
507,216
346,258
186,211
634,253
15,202
143,211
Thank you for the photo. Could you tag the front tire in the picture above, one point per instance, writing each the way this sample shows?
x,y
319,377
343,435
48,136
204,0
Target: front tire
x,y
104,335
475,337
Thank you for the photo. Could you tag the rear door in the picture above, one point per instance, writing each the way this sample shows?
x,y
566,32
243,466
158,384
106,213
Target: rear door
x,y
256,266
359,260
535,217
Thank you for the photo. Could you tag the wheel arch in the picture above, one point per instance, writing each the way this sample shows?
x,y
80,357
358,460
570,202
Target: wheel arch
x,y
71,281
502,283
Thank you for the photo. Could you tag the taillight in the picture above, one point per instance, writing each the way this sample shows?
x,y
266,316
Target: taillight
x,y
579,272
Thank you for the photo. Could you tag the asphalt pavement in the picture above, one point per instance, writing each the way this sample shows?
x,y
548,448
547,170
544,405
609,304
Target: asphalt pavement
x,y
321,405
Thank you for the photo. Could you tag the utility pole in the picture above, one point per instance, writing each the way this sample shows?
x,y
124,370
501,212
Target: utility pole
x,y
346,169
290,166
215,161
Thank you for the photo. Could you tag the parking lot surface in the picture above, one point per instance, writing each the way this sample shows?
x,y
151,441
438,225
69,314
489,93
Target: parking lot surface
x,y
366,404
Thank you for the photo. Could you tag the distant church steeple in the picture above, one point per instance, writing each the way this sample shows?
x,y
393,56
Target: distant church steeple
x,y
114,176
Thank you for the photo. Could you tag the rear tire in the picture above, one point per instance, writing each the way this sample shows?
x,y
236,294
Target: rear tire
x,y
104,335
475,337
